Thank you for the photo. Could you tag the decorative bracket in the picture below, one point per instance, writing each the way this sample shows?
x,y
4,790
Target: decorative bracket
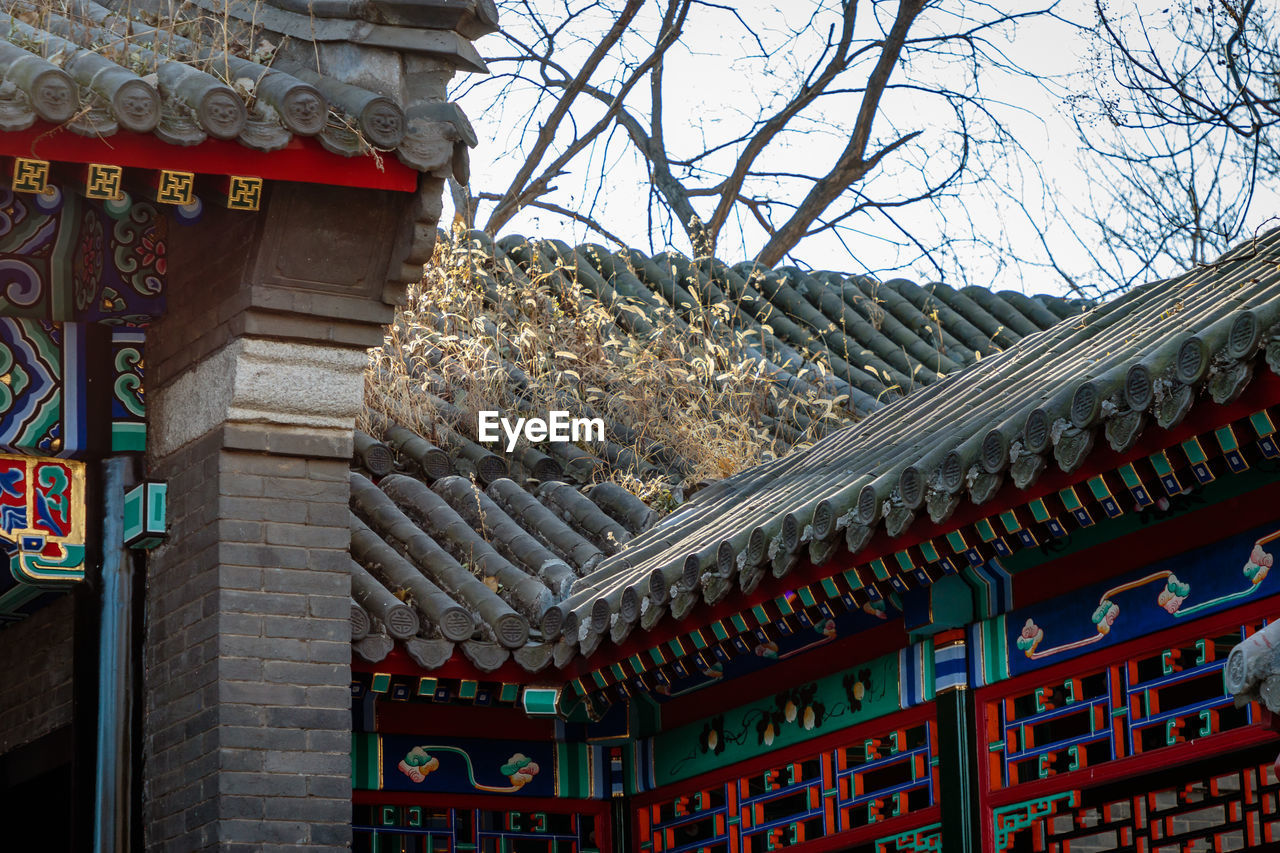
x,y
540,701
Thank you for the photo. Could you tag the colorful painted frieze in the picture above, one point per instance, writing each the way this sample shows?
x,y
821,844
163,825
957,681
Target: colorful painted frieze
x,y
882,775
71,265
1102,713
42,387
128,405
787,718
46,372
1138,603
434,766
518,769
67,258
742,645
42,527
1230,807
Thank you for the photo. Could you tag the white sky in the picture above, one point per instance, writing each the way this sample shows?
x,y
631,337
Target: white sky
x,y
707,88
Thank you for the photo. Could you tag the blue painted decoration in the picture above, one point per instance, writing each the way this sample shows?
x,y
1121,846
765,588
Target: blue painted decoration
x,y
761,648
66,258
1144,601
128,404
445,765
42,387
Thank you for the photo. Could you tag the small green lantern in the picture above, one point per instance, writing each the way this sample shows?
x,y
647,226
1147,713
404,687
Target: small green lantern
x,y
144,515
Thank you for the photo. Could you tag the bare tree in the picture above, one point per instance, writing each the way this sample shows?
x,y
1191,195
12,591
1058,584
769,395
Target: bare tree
x,y
861,112
1178,125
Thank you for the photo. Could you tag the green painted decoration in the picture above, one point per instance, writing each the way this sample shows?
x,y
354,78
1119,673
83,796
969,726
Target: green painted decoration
x,y
1010,820
790,717
926,839
144,515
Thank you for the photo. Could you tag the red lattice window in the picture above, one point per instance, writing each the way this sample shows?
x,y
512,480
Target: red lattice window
x,y
1204,808
849,786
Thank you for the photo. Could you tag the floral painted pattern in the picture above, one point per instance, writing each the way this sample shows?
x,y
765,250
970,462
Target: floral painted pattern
x,y
138,247
1172,597
712,737
86,264
418,763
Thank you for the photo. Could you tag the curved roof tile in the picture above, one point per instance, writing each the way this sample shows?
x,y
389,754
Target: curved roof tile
x,y
543,565
1049,398
102,70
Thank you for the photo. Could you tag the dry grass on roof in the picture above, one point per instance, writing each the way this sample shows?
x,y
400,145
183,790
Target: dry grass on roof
x,y
186,33
686,401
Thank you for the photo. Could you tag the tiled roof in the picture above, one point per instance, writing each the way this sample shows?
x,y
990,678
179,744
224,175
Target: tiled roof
x,y
1139,362
499,553
99,71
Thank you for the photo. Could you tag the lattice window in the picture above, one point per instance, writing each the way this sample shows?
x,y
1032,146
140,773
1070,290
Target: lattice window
x,y
423,829
845,789
1110,712
1186,810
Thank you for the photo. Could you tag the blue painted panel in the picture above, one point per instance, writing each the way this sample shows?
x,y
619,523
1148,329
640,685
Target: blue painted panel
x,y
446,765
1143,601
65,258
42,387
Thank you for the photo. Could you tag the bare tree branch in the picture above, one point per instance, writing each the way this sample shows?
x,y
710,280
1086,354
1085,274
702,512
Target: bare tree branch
x,y
863,107
549,128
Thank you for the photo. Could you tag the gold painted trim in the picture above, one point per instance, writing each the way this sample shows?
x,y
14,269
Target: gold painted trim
x,y
176,187
244,193
104,182
30,175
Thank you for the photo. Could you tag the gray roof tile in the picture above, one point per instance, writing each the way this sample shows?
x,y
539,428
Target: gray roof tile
x,y
103,69
542,565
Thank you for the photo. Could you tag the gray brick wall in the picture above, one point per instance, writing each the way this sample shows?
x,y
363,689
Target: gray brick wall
x,y
36,660
247,656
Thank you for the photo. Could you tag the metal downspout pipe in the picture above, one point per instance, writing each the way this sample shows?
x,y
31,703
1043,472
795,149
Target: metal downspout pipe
x,y
113,774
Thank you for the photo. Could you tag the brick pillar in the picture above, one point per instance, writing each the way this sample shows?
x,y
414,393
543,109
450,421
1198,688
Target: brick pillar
x,y
255,376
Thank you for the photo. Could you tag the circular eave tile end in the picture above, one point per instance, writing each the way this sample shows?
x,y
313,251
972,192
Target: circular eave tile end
x,y
1243,338
1193,360
1139,390
1035,433
136,106
1086,405
995,452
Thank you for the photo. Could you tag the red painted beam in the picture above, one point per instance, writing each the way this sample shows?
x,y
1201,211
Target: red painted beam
x,y
302,160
